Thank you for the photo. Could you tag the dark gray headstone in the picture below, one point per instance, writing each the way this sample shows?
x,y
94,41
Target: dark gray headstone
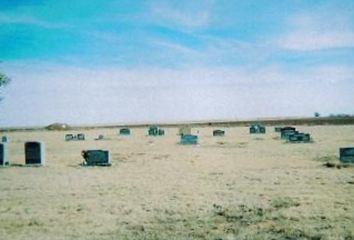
x,y
81,137
262,128
257,128
155,131
35,153
287,129
189,139
277,129
100,137
4,139
96,158
69,137
3,155
124,131
299,138
161,132
346,155
285,134
252,130
218,132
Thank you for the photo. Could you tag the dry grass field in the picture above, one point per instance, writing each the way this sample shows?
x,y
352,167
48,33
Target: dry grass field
x,y
233,187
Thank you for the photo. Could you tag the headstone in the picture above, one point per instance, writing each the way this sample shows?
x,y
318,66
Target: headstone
x,y
96,158
262,129
155,131
287,129
257,128
4,139
100,137
81,137
69,137
35,153
219,133
287,133
152,131
3,155
184,130
299,138
277,129
346,155
124,131
252,130
189,139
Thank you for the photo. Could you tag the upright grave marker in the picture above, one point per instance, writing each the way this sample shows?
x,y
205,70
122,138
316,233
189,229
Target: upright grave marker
x,y
287,133
69,137
99,137
155,131
257,128
35,153
3,155
218,133
184,130
287,129
124,131
81,137
4,139
346,155
277,129
299,138
96,158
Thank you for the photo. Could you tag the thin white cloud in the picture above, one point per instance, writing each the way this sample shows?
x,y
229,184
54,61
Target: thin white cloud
x,y
184,14
175,47
332,73
318,31
28,20
109,94
210,51
186,76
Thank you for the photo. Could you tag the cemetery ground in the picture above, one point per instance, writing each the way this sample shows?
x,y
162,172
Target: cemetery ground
x,y
239,186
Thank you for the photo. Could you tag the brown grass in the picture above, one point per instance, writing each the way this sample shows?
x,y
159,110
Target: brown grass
x,y
234,187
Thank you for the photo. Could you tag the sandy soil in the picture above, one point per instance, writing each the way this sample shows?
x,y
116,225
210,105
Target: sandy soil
x,y
233,187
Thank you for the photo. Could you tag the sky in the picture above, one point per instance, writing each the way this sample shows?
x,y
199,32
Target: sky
x,y
123,61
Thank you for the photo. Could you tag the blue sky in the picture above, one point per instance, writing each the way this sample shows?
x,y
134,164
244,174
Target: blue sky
x,y
85,62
